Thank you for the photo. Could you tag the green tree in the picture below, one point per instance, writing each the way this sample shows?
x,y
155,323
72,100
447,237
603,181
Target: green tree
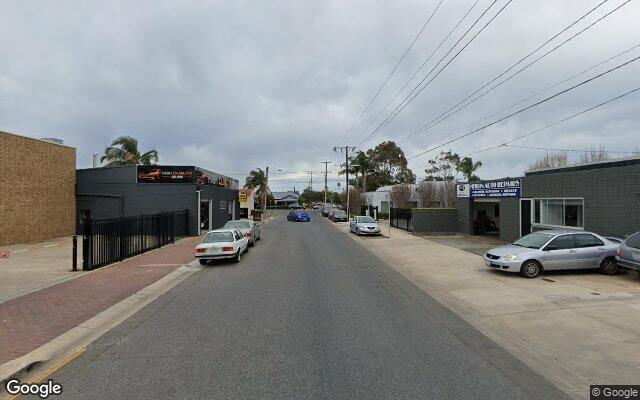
x,y
124,151
443,167
359,164
467,167
257,180
389,166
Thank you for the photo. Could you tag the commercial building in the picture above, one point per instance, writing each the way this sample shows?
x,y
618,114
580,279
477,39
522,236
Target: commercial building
x,y
381,198
247,200
210,198
37,179
603,197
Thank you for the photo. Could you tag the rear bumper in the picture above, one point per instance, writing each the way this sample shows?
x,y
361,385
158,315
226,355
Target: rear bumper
x,y
214,256
508,266
627,264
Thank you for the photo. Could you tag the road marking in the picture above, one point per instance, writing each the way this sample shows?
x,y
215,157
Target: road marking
x,y
50,245
20,251
54,369
161,265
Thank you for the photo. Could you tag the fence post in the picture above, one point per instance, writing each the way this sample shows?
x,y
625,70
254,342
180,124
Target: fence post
x,y
173,231
86,244
141,233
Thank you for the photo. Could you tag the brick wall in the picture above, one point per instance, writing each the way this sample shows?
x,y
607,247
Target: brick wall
x,y
37,189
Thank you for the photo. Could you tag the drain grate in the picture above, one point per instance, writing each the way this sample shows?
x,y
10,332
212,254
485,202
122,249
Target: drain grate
x,y
548,280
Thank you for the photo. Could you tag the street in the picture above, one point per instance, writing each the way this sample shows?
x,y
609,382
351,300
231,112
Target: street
x,y
306,314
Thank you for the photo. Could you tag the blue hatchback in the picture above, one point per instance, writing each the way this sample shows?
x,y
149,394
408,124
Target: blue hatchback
x,y
303,216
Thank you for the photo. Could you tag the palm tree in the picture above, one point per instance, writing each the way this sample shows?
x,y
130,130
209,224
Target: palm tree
x,y
124,151
257,180
361,164
468,168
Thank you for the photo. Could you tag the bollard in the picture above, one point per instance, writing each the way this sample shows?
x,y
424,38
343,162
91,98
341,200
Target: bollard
x,y
74,255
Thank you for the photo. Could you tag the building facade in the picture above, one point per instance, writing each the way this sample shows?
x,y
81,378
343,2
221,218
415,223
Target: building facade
x,y
210,198
37,181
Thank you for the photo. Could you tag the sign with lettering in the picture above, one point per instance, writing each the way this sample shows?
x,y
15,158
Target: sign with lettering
x,y
165,174
499,188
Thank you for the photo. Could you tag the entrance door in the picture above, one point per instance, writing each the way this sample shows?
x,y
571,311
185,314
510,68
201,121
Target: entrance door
x,y
525,217
205,221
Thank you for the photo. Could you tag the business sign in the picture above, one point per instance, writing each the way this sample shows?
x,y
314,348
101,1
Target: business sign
x,y
499,188
462,190
165,174
242,196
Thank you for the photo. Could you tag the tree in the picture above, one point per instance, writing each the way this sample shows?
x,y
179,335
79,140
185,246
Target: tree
x,y
467,167
389,166
427,193
360,164
257,180
443,167
550,160
400,195
593,155
356,200
124,151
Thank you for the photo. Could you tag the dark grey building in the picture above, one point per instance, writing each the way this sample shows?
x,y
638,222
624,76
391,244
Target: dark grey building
x,y
210,198
603,197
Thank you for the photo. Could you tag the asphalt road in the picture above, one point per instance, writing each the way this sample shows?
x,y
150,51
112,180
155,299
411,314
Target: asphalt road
x,y
308,313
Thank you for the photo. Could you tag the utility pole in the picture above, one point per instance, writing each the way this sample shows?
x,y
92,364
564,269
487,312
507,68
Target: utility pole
x,y
264,195
346,157
311,179
326,171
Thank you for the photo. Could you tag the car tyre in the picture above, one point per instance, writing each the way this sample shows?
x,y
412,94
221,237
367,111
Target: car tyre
x,y
530,269
358,231
251,244
237,257
608,266
203,262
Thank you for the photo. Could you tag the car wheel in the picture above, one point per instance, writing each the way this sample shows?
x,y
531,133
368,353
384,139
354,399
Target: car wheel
x,y
203,262
530,269
608,266
237,257
358,231
251,243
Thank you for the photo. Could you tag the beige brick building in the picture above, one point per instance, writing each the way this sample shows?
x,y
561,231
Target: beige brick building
x,y
37,189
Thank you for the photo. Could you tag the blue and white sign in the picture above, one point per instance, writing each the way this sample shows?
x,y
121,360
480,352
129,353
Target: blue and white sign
x,y
499,188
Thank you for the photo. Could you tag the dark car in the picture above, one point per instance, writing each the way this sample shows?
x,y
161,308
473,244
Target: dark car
x,y
291,216
339,216
628,254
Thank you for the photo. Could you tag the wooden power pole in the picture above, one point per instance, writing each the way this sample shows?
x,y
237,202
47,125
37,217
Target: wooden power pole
x,y
264,195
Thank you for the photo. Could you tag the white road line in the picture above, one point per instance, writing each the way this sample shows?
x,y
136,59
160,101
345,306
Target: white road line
x,y
51,245
21,250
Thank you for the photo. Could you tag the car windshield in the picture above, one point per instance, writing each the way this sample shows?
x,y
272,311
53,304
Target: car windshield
x,y
365,220
216,237
534,240
238,225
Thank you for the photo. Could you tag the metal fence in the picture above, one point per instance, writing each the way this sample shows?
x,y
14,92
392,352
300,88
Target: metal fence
x,y
401,218
107,240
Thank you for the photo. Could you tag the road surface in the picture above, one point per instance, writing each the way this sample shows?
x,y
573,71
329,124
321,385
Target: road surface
x,y
307,314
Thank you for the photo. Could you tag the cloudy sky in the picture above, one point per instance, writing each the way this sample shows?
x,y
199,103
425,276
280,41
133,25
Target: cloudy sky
x,y
234,85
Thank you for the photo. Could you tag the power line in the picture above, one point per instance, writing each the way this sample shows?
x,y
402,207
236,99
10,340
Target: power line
x,y
395,67
440,118
528,107
412,96
420,68
544,90
570,150
507,143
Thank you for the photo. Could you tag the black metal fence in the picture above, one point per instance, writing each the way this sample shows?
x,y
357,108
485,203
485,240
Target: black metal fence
x,y
401,218
107,240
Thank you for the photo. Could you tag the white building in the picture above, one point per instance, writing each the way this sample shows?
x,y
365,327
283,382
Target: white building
x,y
381,198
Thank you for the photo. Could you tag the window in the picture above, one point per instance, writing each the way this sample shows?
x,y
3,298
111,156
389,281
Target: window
x,y
561,243
558,212
588,241
214,237
223,205
633,241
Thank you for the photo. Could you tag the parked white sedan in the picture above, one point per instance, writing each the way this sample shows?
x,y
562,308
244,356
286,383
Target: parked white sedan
x,y
250,229
364,225
222,243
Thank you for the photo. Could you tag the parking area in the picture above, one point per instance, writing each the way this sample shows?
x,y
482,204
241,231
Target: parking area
x,y
25,268
575,328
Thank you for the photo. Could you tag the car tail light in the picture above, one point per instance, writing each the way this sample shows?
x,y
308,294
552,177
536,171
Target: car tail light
x,y
248,234
200,250
227,249
618,253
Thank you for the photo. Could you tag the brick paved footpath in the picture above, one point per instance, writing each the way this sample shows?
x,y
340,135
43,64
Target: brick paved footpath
x,y
29,321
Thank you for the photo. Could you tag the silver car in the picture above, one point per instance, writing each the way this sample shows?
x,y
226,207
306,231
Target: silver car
x,y
628,255
554,250
250,229
364,225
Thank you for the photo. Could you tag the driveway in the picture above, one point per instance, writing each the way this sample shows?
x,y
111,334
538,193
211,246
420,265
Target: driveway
x,y
576,329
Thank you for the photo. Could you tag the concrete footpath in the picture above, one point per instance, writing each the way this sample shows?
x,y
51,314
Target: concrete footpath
x,y
575,329
32,326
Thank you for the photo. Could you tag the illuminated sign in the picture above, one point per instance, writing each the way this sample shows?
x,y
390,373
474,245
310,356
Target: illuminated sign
x,y
165,174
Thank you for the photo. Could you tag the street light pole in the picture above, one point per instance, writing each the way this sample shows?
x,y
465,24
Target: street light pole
x,y
264,195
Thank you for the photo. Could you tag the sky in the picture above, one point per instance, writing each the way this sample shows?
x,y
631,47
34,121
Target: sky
x,y
235,85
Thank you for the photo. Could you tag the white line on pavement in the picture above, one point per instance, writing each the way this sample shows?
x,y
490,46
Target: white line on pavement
x,y
51,245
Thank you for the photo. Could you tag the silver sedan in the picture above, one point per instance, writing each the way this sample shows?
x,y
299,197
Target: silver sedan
x,y
364,225
250,229
554,250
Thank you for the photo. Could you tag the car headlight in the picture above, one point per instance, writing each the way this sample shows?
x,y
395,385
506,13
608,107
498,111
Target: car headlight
x,y
509,257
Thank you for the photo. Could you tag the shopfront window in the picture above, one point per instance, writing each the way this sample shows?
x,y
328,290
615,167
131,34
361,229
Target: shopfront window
x,y
558,212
